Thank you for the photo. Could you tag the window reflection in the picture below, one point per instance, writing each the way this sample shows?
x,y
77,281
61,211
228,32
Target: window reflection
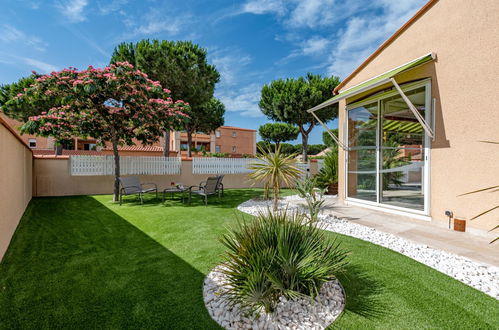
x,y
399,180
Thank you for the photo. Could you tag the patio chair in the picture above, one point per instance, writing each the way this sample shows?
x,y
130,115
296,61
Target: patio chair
x,y
220,185
130,185
206,188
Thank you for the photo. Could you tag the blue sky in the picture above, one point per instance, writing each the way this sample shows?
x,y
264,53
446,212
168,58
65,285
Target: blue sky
x,y
251,42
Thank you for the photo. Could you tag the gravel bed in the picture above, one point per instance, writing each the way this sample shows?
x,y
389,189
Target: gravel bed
x,y
477,275
289,314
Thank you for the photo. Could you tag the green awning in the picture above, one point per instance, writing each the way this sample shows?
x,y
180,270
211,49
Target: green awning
x,y
374,82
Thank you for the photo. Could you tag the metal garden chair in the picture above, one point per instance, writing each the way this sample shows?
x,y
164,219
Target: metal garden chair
x,y
130,185
207,188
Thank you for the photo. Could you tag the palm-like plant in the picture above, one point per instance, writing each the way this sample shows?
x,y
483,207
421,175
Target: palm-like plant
x,y
329,172
314,196
278,255
275,170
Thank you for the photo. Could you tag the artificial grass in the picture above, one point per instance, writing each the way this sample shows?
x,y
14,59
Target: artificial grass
x,y
84,262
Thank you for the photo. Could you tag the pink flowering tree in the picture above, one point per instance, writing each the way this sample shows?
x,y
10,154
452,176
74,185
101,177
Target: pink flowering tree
x,y
113,105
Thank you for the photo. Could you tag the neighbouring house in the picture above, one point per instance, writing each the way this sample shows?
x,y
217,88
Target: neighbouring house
x,y
235,141
226,139
413,117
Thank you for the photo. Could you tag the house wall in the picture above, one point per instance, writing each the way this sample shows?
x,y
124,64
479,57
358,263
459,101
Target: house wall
x,y
41,142
244,141
465,77
15,183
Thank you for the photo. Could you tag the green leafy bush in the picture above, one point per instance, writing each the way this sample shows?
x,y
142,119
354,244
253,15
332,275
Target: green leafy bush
x,y
277,255
329,172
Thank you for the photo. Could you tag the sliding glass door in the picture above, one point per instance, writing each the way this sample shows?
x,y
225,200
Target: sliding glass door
x,y
387,155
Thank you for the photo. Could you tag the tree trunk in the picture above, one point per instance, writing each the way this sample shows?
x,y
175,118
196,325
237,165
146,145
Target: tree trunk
x,y
304,143
58,149
166,143
116,154
189,143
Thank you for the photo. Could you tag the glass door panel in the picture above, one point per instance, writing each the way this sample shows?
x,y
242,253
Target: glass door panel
x,y
402,158
362,143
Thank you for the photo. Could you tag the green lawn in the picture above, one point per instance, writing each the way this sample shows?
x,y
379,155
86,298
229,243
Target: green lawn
x,y
83,262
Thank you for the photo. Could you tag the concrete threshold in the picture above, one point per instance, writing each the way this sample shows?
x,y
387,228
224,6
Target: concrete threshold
x,y
434,234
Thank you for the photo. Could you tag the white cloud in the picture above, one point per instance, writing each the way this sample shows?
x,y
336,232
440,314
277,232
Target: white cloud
x,y
42,66
244,100
229,65
154,23
363,34
110,6
264,6
314,46
304,14
73,10
8,34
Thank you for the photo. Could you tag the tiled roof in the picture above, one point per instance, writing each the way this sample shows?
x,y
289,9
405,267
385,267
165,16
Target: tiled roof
x,y
238,128
137,148
47,152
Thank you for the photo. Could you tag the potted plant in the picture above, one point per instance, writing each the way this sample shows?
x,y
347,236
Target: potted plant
x,y
327,178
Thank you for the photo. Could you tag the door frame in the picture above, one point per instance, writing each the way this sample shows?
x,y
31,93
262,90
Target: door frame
x,y
429,115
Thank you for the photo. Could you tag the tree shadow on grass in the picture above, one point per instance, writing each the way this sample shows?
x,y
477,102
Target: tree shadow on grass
x,y
231,199
362,294
74,263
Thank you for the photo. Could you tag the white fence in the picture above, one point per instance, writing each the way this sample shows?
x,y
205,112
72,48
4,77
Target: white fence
x,y
305,169
104,165
213,165
320,164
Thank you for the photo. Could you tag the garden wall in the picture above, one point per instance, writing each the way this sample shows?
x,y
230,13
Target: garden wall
x,y
52,178
16,165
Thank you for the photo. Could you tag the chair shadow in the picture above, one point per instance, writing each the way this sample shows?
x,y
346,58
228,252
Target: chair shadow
x,y
88,267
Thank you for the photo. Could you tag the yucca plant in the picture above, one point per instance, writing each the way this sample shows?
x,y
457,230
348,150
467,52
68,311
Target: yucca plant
x,y
278,255
313,195
329,172
275,170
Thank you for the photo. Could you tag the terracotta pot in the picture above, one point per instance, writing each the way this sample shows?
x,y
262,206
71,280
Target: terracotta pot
x,y
459,225
332,189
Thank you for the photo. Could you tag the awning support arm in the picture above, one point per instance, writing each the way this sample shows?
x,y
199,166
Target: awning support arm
x,y
334,137
415,111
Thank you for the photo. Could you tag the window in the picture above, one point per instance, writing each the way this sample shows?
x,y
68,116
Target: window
x,y
234,133
233,148
217,133
89,146
32,143
387,148
217,148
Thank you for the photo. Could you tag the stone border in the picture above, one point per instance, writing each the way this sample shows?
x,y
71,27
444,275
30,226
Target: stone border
x,y
480,276
289,314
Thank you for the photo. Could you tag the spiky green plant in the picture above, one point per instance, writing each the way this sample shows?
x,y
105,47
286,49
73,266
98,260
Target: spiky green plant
x,y
275,170
313,195
329,172
278,255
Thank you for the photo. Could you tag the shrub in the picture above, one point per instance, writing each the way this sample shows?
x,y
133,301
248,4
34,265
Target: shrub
x,y
278,255
307,189
329,172
275,170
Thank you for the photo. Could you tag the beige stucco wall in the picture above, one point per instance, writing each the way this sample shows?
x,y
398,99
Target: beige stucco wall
x,y
465,78
52,178
15,184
